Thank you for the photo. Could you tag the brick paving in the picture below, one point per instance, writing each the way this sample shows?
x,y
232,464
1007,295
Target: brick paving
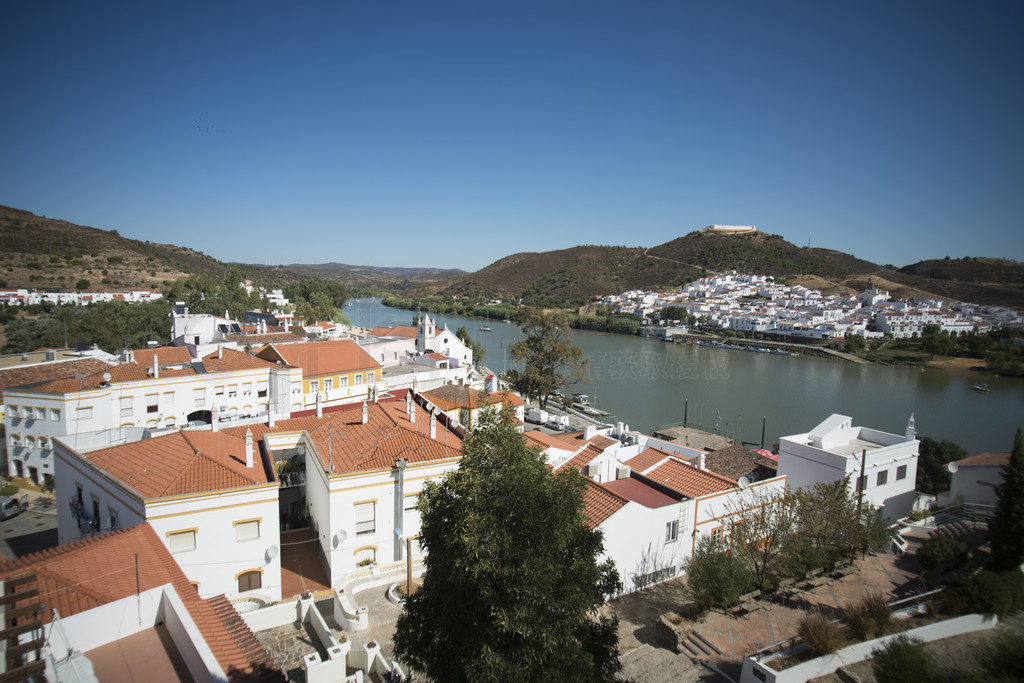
x,y
302,567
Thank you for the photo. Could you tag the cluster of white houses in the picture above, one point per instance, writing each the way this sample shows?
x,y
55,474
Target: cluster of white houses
x,y
30,297
756,303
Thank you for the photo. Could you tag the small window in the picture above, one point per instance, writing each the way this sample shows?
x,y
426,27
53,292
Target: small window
x,y
218,391
411,500
370,378
261,389
901,472
15,440
249,581
152,403
672,531
232,390
83,413
55,414
359,379
247,531
168,399
182,541
862,482
126,406
343,382
13,410
247,389
882,478
314,385
44,442
296,387
366,519
40,413
199,395
328,384
718,534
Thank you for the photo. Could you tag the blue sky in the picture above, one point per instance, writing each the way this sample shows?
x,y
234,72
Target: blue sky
x,y
450,134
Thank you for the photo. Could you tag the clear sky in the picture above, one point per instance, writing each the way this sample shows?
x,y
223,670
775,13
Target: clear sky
x,y
450,134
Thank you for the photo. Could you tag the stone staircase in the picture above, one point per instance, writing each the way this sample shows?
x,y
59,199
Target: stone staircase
x,y
698,648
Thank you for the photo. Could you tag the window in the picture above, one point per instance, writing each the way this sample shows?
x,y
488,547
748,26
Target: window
x,y
83,413
40,413
314,385
152,403
328,384
862,482
359,379
718,534
672,531
199,395
261,388
366,517
410,501
296,387
182,541
168,399
248,530
343,382
30,441
55,414
366,556
369,378
13,409
44,442
882,478
250,581
901,472
247,389
218,391
126,406
15,440
232,390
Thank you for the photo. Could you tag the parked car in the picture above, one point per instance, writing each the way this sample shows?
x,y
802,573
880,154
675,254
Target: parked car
x,y
9,507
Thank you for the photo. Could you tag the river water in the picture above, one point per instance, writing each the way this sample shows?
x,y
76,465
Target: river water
x,y
649,384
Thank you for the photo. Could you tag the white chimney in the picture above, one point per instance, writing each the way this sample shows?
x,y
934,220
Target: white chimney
x,y
703,464
589,433
319,405
412,412
248,448
408,403
433,426
270,415
220,351
215,418
156,368
366,413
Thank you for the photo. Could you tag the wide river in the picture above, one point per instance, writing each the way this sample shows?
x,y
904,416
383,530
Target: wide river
x,y
648,384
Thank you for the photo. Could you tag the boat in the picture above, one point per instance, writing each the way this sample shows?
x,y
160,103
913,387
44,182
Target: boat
x,y
486,326
979,387
507,321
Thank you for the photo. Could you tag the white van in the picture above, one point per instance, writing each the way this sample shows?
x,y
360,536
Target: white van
x,y
9,507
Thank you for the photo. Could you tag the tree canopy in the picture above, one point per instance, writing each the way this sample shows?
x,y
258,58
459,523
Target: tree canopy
x,y
932,457
1006,528
512,580
550,359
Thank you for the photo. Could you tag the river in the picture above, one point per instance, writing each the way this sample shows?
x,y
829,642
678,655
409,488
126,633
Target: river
x,y
648,384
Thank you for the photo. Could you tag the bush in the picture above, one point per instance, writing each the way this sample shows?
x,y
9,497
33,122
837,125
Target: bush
x,y
819,633
8,490
870,617
938,550
904,660
82,284
986,592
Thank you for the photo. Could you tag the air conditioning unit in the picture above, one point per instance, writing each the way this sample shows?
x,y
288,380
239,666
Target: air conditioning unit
x,y
622,472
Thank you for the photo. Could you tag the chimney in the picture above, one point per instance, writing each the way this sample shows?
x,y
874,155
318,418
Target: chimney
x,y
270,415
408,403
156,368
703,464
248,448
366,413
412,412
215,418
589,433
220,351
319,405
433,426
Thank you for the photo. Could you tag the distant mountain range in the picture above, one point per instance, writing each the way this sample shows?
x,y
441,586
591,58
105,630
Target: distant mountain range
x,y
50,254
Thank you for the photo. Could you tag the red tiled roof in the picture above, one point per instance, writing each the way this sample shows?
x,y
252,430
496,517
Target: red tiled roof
x,y
322,358
47,372
639,492
226,360
645,460
406,331
271,337
165,355
983,459
437,356
181,463
583,458
80,576
125,372
736,461
546,441
600,503
353,446
451,396
689,480
575,439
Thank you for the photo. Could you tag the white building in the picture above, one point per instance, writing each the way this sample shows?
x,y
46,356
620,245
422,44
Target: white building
x,y
975,479
835,450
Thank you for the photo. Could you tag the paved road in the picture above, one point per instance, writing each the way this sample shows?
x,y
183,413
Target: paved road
x,y
31,531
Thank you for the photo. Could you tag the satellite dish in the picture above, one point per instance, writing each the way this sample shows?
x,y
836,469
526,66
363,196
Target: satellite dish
x,y
338,538
106,377
952,467
743,482
271,553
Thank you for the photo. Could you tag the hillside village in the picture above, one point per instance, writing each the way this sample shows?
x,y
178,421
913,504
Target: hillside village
x,y
321,437
757,304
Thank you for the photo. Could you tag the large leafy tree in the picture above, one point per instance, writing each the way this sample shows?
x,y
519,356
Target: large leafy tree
x,y
512,580
716,577
932,457
763,524
828,527
1006,529
550,359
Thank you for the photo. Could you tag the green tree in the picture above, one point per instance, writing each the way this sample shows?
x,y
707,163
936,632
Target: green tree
x,y
476,347
936,342
82,284
904,660
932,457
827,523
855,343
939,549
763,522
550,359
1006,528
716,577
512,581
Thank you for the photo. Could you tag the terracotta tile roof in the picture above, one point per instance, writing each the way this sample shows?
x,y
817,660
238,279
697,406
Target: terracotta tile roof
x,y
227,360
983,459
575,439
181,463
125,372
322,358
165,355
583,458
639,492
736,461
689,480
80,576
546,441
454,396
47,372
645,460
270,337
437,356
352,446
600,503
406,331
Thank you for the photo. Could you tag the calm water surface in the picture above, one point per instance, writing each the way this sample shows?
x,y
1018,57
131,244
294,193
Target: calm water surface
x,y
649,384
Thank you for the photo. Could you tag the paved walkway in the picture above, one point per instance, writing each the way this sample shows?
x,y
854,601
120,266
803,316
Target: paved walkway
x,y
302,567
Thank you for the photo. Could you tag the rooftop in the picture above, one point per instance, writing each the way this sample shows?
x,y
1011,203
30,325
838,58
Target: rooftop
x,y
639,492
689,480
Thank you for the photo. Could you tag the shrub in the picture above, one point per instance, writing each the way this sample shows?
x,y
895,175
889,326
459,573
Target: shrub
x,y
986,592
82,284
8,490
115,259
938,550
904,660
819,633
870,617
